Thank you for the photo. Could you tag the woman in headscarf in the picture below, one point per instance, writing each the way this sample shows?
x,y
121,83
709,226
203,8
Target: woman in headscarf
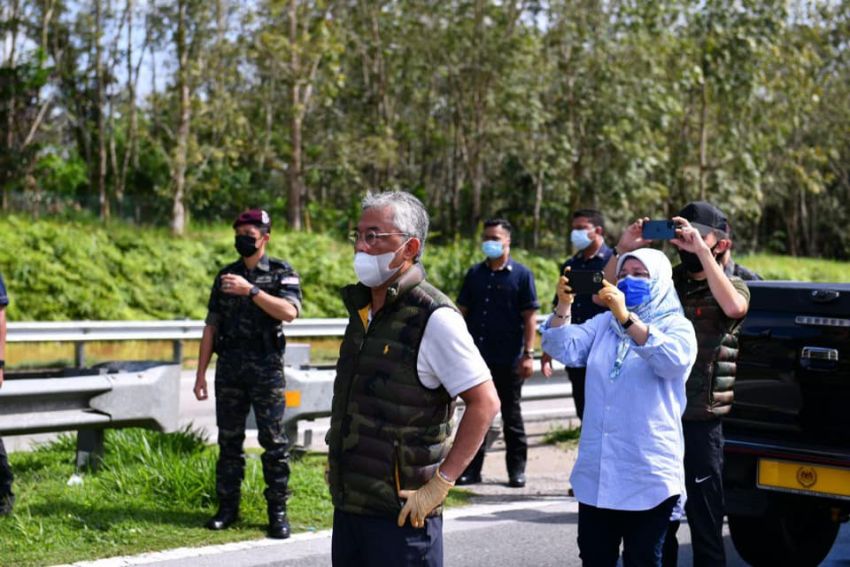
x,y
629,472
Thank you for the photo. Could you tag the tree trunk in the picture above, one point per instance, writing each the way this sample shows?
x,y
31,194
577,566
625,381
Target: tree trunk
x,y
11,16
538,202
130,143
178,210
99,173
296,185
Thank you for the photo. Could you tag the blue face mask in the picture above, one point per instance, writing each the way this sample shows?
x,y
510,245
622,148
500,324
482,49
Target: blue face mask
x,y
492,249
636,290
580,239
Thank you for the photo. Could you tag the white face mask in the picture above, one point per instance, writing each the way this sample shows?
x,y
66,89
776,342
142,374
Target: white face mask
x,y
372,271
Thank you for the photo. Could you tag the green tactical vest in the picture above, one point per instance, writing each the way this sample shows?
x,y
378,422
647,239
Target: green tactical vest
x,y
388,431
709,386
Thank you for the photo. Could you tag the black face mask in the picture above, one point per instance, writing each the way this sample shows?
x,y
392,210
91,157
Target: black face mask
x,y
691,261
246,245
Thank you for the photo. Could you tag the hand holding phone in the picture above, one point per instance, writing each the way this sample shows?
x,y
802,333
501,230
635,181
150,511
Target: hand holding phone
x,y
563,289
586,281
658,230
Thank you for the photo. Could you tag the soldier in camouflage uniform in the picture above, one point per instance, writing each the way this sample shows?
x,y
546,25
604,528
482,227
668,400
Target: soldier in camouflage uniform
x,y
716,303
249,300
405,356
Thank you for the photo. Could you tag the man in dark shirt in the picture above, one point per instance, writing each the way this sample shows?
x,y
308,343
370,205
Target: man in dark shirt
x,y
499,301
588,237
249,300
7,498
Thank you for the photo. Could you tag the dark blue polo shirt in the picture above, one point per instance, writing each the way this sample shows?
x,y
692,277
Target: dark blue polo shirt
x,y
4,297
495,301
583,307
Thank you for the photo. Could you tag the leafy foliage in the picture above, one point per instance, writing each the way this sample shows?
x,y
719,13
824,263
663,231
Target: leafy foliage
x,y
80,270
527,110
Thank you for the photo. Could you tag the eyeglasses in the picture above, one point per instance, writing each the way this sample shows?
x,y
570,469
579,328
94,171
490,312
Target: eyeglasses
x,y
370,236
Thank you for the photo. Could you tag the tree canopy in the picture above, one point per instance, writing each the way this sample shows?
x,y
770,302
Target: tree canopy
x,y
168,112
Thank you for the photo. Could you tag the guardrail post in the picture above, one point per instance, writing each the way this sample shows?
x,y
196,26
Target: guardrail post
x,y
177,349
89,448
80,354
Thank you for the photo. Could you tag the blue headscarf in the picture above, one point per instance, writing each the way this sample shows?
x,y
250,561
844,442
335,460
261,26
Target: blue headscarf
x,y
663,302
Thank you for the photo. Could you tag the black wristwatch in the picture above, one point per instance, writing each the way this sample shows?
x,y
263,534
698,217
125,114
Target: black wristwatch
x,y
528,353
629,321
253,292
2,364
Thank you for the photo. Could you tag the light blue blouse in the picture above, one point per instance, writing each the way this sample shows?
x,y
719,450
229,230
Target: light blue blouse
x,y
631,449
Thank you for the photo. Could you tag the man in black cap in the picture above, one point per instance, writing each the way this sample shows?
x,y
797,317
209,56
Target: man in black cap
x,y
250,299
716,304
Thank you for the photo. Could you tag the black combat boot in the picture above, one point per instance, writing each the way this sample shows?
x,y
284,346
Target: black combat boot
x,y
228,513
278,522
7,502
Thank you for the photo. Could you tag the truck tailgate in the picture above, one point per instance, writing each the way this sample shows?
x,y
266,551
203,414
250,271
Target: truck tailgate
x,y
793,374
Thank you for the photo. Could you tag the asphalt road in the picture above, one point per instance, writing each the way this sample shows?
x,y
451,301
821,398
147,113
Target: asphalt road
x,y
536,531
532,526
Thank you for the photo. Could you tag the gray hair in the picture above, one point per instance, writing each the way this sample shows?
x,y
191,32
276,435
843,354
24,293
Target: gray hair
x,y
409,214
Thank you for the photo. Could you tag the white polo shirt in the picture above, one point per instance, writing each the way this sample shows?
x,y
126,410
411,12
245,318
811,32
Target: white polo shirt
x,y
448,356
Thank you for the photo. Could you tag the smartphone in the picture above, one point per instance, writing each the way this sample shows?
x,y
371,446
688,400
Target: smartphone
x,y
659,230
585,281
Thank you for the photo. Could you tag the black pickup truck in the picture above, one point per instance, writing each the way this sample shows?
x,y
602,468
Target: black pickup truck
x,y
787,471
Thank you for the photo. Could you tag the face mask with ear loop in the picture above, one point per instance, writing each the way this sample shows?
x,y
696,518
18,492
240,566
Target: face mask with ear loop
x,y
692,262
374,270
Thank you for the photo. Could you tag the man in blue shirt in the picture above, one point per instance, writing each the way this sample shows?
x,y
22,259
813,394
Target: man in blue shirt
x,y
588,237
499,302
7,499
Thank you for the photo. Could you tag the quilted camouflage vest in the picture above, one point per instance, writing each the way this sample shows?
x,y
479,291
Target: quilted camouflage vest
x,y
388,432
709,386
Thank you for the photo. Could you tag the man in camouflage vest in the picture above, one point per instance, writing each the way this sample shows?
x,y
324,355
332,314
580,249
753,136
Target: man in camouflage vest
x,y
716,303
405,356
249,300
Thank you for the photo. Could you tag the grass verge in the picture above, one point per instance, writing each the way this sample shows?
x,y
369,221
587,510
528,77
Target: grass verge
x,y
563,438
153,492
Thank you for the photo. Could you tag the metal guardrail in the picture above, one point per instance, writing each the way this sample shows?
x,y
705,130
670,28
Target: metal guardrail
x,y
81,332
86,331
121,394
309,390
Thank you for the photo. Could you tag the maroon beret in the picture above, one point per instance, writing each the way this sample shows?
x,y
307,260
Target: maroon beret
x,y
257,217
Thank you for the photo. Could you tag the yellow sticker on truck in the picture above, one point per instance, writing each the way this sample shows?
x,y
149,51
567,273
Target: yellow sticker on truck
x,y
804,478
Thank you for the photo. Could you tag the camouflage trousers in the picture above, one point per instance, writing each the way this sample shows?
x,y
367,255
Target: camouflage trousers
x,y
241,382
6,476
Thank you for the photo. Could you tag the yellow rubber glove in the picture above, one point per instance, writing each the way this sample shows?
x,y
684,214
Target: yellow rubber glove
x,y
565,292
421,502
614,299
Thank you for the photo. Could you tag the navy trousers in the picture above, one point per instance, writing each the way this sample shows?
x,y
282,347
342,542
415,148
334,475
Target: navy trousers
x,y
377,541
601,530
509,388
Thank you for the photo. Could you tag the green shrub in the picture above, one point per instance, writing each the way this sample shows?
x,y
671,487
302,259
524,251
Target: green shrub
x,y
83,270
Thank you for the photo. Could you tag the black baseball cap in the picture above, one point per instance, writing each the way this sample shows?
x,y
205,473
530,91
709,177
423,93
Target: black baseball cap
x,y
258,217
704,217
